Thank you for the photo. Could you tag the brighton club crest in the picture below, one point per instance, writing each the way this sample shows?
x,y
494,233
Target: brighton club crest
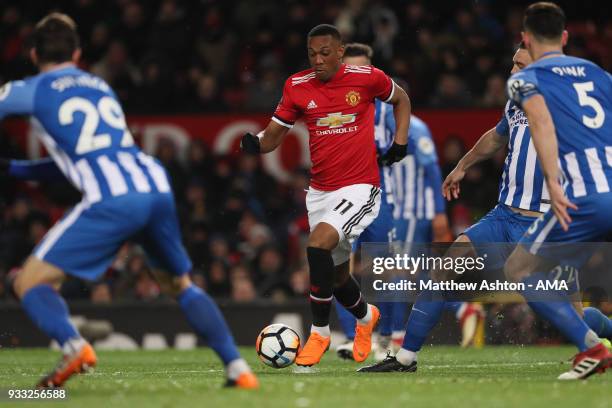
x,y
352,98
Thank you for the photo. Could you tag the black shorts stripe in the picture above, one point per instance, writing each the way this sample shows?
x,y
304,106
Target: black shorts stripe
x,y
363,212
356,219
359,220
370,200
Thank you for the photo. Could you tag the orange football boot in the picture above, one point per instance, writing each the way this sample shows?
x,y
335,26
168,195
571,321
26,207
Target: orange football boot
x,y
313,350
246,381
363,336
78,362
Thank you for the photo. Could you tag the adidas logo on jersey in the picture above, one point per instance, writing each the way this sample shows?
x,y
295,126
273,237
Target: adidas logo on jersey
x,y
311,105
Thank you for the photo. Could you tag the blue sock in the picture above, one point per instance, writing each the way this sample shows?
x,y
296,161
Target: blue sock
x,y
347,321
425,314
399,316
206,319
385,325
49,312
557,309
598,322
453,307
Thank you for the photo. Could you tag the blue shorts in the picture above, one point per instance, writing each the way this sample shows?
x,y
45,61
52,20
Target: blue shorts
x,y
590,223
381,230
500,225
86,240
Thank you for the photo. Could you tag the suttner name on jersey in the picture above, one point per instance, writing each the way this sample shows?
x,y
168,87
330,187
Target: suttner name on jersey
x,y
81,124
522,183
409,185
584,128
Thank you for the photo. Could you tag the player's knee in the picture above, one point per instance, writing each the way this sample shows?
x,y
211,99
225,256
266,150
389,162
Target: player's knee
x,y
520,264
35,272
324,236
169,284
513,269
20,285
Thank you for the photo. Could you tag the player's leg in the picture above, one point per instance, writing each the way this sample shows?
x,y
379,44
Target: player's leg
x,y
336,219
425,314
72,246
346,319
598,322
398,325
427,309
162,242
525,266
322,240
347,324
593,317
348,293
36,285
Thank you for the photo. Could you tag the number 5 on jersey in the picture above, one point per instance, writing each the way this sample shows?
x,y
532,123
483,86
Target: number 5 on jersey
x,y
584,99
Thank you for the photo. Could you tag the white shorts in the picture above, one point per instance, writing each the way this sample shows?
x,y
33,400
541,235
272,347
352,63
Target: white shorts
x,y
349,210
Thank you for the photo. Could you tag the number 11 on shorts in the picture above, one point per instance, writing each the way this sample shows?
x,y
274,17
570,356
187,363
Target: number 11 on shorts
x,y
344,203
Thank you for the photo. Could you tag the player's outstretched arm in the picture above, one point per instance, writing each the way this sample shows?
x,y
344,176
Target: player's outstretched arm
x,y
266,140
486,146
545,142
401,113
32,170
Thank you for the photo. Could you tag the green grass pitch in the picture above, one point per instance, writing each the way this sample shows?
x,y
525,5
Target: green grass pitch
x,y
508,376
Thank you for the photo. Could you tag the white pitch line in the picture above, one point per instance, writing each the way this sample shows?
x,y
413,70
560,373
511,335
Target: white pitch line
x,y
540,363
421,367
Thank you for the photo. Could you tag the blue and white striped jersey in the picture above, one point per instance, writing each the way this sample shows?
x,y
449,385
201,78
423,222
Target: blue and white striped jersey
x,y
383,138
578,94
81,124
522,183
414,184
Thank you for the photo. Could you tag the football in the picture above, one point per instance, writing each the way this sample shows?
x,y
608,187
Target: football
x,y
277,345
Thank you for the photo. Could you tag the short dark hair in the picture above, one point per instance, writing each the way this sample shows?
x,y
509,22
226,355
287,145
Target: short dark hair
x,y
325,29
55,38
358,50
545,20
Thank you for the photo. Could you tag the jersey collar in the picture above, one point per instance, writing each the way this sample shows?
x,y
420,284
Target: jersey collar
x,y
336,75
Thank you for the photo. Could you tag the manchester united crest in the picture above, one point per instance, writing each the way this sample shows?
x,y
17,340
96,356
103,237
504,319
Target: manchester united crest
x,y
352,98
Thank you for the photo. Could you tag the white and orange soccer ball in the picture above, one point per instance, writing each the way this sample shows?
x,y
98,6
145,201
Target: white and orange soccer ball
x,y
277,345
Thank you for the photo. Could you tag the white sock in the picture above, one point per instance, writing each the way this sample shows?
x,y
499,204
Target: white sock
x,y
237,367
322,330
591,339
73,345
384,341
368,317
406,357
395,335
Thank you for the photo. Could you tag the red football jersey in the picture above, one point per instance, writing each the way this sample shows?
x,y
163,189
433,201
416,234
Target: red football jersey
x,y
339,115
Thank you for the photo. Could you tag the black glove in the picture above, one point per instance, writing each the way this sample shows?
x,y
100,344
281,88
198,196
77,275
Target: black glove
x,y
250,143
394,154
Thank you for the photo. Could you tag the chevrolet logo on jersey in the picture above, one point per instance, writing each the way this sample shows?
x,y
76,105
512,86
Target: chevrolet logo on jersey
x,y
336,120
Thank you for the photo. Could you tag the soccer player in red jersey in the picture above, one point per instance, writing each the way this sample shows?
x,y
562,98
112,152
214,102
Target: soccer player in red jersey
x,y
337,103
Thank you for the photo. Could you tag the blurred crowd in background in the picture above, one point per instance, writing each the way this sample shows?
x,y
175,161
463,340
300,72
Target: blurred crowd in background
x,y
165,56
245,231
